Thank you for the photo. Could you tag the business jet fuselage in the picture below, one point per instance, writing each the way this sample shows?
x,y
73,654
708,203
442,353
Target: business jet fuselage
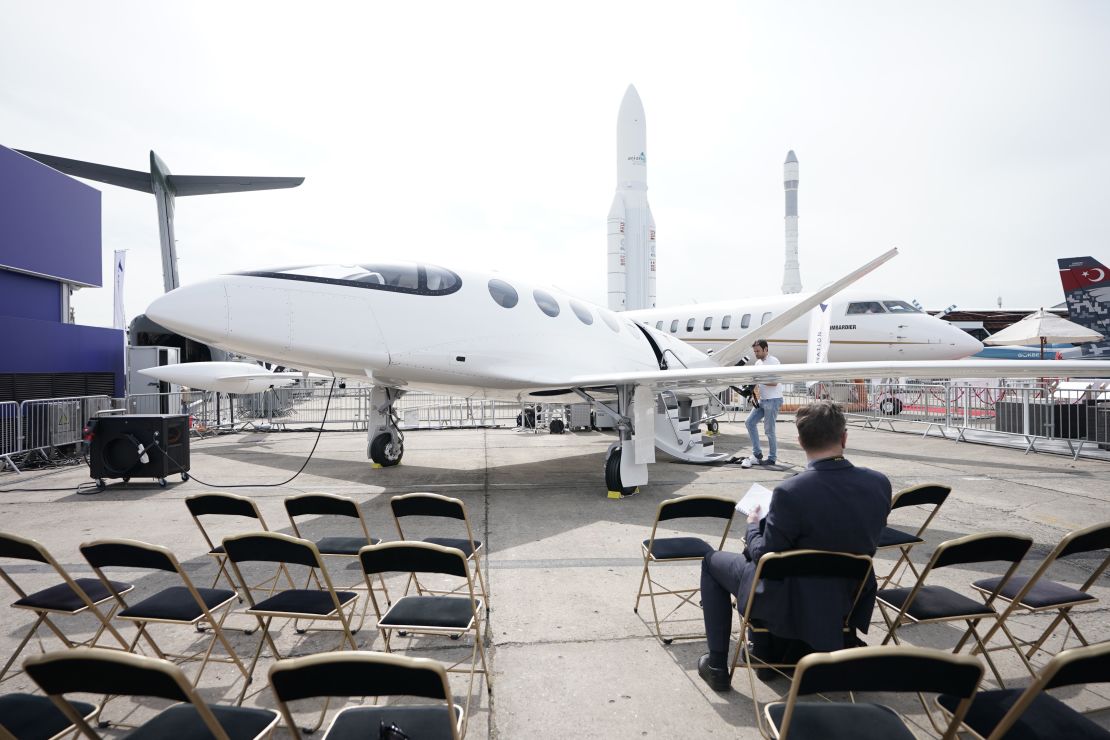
x,y
865,326
473,334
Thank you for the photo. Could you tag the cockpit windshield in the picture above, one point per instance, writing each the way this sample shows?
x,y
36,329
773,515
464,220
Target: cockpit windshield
x,y
901,307
861,307
398,277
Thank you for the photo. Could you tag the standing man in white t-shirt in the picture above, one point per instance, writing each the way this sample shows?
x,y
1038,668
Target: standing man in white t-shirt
x,y
766,409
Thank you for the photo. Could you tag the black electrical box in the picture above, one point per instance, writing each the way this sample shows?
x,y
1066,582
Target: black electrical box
x,y
138,446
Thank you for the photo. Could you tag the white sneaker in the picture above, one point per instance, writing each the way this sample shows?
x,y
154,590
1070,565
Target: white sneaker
x,y
747,462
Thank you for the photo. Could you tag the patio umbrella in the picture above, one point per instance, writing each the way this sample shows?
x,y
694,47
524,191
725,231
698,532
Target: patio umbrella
x,y
1040,328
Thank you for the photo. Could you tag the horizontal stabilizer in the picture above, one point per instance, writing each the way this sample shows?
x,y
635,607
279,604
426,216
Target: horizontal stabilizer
x,y
205,184
131,179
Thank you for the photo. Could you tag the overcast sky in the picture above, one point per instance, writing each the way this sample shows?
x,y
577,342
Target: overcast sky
x,y
975,136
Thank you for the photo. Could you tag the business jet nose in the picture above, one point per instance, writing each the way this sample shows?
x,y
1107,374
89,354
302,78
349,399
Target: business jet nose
x,y
965,344
198,311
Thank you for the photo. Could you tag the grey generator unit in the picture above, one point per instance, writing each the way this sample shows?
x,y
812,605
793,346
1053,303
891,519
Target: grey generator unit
x,y
580,416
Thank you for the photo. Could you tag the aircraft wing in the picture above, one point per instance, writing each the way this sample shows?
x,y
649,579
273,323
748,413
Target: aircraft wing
x,y
698,378
731,353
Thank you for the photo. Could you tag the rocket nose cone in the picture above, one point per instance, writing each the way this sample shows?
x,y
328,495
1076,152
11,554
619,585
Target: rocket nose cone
x,y
790,157
197,311
631,105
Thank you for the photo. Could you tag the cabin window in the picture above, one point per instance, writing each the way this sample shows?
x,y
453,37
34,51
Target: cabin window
x,y
765,319
708,324
690,325
745,321
546,302
659,325
582,312
674,326
901,307
611,320
503,293
726,322
863,307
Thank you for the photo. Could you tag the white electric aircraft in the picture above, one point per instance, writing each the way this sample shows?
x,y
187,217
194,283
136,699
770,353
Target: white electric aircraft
x,y
482,335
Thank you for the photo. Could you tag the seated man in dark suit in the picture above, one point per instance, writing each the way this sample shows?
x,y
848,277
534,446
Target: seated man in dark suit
x,y
832,505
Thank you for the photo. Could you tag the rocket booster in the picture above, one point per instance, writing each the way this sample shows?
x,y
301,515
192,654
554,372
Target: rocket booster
x,y
791,274
631,232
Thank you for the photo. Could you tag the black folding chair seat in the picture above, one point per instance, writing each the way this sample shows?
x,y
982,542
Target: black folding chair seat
x,y
440,612
61,598
343,545
301,601
1047,716
935,602
459,543
217,550
824,720
183,721
358,723
31,716
177,604
1043,594
674,548
892,537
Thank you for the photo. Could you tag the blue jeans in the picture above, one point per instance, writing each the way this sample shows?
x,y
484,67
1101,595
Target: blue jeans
x,y
768,411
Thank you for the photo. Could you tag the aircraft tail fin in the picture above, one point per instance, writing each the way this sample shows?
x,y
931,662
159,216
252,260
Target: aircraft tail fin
x,y
1086,283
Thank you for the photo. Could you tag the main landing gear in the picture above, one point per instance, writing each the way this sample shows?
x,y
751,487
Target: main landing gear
x,y
385,443
613,474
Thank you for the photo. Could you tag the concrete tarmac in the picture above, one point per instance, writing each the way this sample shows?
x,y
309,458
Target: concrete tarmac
x,y
568,655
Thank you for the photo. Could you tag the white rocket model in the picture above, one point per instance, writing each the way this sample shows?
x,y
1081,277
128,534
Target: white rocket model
x,y
631,227
791,276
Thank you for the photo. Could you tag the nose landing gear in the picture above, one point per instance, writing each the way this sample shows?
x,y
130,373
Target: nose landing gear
x,y
385,443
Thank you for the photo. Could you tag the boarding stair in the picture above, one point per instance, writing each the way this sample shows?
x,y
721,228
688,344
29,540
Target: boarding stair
x,y
677,434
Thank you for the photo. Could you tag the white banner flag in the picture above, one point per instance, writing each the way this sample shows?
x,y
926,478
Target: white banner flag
x,y
817,348
120,321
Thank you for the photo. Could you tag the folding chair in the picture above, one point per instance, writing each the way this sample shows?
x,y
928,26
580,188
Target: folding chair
x,y
877,669
69,598
109,672
679,549
921,604
929,494
1035,593
229,505
779,566
324,504
183,605
370,674
31,716
440,614
436,506
1033,714
324,603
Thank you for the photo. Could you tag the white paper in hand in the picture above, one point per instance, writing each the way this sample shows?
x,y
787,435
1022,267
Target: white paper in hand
x,y
757,495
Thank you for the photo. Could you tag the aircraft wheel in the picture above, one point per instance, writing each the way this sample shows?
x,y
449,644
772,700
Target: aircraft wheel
x,y
613,474
890,406
557,426
384,451
712,426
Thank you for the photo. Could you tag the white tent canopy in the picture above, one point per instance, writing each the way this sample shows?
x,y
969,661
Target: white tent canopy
x,y
1040,328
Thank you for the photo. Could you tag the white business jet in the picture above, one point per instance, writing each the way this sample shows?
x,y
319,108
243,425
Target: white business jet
x,y
484,335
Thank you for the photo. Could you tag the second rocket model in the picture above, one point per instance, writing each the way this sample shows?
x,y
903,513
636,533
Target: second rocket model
x,y
631,226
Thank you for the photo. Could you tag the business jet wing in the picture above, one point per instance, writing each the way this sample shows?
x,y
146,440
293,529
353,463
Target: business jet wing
x,y
734,351
700,378
226,377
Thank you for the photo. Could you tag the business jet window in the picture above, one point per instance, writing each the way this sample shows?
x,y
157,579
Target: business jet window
x,y
745,321
765,319
865,307
674,326
901,307
690,325
582,312
659,325
546,302
503,293
611,320
726,322
396,277
708,324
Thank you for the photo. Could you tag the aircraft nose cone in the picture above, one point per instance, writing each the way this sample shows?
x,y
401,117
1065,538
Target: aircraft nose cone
x,y
197,311
966,345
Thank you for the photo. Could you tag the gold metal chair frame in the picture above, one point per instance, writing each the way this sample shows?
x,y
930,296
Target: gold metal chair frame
x,y
685,596
905,498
